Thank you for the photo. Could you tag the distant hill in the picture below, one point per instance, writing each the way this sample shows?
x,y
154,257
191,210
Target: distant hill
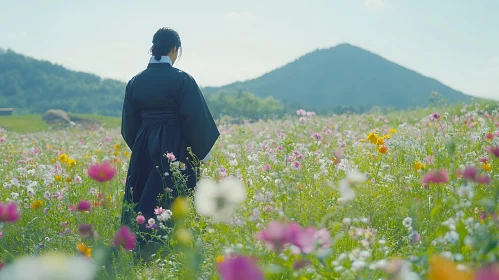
x,y
345,75
34,86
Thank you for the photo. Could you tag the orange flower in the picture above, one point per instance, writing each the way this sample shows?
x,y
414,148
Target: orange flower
x,y
443,269
486,166
36,204
84,250
58,178
382,149
69,180
220,259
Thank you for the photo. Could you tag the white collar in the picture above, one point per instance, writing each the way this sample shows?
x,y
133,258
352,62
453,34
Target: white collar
x,y
164,59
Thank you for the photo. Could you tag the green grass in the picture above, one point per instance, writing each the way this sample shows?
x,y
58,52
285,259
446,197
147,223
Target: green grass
x,y
34,123
23,124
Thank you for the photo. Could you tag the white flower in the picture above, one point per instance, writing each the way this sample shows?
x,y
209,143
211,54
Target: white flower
x,y
407,222
151,221
221,200
346,192
452,236
165,216
355,176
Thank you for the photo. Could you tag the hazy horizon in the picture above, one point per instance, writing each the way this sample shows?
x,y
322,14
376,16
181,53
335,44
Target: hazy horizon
x,y
240,41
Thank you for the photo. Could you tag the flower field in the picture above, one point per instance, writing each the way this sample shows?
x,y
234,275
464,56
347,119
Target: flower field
x,y
407,195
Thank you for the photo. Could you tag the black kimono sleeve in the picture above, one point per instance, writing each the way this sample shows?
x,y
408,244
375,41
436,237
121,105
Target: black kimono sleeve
x,y
198,127
130,118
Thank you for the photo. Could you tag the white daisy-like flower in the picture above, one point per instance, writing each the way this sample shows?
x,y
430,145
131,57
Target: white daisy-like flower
x,y
354,176
221,200
407,222
345,190
165,216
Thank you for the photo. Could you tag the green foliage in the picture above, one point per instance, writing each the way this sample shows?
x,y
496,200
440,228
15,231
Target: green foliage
x,y
33,86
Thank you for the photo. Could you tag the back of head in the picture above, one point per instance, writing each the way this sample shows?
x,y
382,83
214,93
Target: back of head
x,y
164,40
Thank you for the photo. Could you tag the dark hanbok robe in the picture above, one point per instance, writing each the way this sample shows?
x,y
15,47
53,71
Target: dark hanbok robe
x,y
163,112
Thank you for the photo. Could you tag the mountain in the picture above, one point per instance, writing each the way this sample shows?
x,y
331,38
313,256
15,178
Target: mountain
x,y
345,75
33,86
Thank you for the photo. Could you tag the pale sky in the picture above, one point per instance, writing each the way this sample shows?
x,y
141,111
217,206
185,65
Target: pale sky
x,y
454,41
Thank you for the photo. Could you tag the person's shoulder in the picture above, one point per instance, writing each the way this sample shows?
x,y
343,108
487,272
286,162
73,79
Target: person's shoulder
x,y
184,75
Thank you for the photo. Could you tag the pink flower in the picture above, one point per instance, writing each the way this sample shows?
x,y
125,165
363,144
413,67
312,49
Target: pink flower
x,y
436,176
102,172
277,235
125,238
170,156
489,136
317,136
297,165
84,205
85,230
493,150
9,213
429,160
159,210
140,219
266,167
469,173
239,268
483,179
484,160
488,272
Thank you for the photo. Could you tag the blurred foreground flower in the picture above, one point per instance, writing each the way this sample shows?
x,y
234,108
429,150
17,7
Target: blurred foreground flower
x,y
436,176
9,213
221,200
50,266
488,272
345,185
125,238
102,172
444,269
239,268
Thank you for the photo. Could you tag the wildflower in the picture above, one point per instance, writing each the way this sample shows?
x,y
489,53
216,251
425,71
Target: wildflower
x,y
407,222
151,222
183,236
58,178
392,130
441,268
140,219
71,162
486,166
101,172
165,216
436,176
493,150
158,210
239,268
125,238
429,160
317,136
382,149
278,234
116,146
483,179
180,207
345,190
418,166
85,230
84,250
266,167
380,141
171,157
9,213
297,165
77,179
36,204
372,137
219,259
84,205
488,272
469,173
219,200
63,158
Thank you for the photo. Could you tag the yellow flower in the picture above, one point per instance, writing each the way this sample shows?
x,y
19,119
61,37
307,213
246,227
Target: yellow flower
x,y
71,162
184,236
57,178
180,208
52,160
86,156
63,158
443,269
363,140
372,137
37,204
69,180
418,166
388,136
382,149
486,166
115,153
393,130
220,259
84,250
380,141
116,146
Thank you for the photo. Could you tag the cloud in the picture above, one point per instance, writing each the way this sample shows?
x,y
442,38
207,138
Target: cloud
x,y
374,4
239,16
16,35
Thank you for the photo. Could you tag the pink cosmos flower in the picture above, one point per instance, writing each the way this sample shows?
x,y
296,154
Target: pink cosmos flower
x,y
483,179
484,160
489,136
125,238
239,268
84,205
469,173
488,272
159,210
493,150
9,213
102,172
171,156
317,136
266,167
140,219
277,235
437,176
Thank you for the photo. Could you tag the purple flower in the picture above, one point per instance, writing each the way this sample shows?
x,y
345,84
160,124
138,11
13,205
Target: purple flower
x,y
493,150
9,213
317,136
85,230
125,238
469,173
436,176
84,205
239,268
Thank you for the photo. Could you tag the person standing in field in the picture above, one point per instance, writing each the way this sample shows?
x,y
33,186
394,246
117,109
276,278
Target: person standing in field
x,y
165,120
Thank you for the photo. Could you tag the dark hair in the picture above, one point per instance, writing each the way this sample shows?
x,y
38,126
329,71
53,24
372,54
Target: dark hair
x,y
163,41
